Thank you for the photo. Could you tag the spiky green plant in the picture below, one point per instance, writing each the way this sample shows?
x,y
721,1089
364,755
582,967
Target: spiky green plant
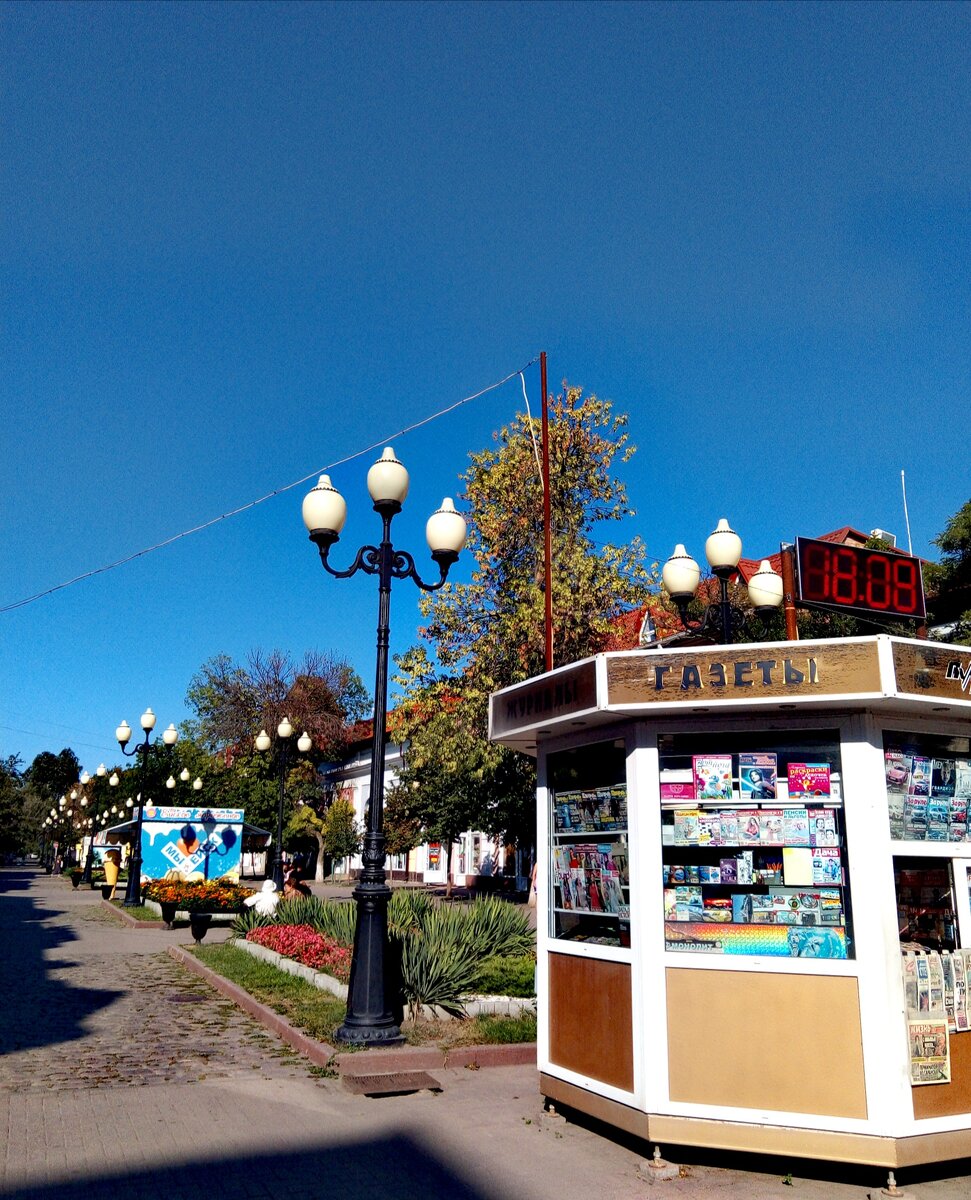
x,y
495,927
333,918
249,919
407,910
436,969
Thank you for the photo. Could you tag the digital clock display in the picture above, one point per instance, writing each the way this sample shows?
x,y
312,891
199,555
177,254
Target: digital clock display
x,y
854,579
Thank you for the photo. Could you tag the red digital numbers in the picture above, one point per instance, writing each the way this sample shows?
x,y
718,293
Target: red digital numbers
x,y
852,577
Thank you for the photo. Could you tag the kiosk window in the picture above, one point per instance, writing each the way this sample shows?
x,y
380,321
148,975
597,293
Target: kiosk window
x,y
754,858
928,786
589,872
926,913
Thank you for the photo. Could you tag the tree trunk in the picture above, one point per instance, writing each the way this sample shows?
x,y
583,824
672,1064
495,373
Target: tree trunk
x,y
319,872
448,868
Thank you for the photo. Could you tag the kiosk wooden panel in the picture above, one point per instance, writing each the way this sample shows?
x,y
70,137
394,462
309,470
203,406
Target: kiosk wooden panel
x,y
590,1019
808,1060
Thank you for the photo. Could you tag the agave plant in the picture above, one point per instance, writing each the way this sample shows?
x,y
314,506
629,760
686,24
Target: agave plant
x,y
407,910
248,919
436,969
494,927
335,919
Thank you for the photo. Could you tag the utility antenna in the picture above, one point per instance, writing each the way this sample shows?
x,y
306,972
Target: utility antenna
x,y
903,488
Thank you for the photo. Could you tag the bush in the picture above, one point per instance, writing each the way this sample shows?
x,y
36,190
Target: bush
x,y
507,976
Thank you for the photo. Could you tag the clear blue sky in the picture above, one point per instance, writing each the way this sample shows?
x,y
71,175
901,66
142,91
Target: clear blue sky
x,y
241,241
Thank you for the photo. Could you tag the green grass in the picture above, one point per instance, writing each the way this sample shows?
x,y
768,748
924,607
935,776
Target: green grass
x,y
317,1013
139,912
512,975
494,1030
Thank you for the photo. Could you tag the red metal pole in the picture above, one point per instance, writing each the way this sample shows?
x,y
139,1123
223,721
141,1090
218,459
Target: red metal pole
x,y
788,555
547,516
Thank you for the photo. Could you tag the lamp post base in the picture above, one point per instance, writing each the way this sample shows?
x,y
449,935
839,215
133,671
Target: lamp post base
x,y
369,1035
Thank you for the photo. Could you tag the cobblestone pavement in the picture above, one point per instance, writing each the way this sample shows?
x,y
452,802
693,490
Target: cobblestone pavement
x,y
119,1073
116,1010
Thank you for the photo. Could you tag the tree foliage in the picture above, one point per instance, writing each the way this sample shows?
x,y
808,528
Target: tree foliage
x,y
488,633
232,702
342,834
949,581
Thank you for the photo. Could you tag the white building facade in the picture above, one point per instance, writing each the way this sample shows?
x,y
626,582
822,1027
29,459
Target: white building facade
x,y
475,855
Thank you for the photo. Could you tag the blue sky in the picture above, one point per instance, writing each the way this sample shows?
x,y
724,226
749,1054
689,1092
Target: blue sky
x,y
242,241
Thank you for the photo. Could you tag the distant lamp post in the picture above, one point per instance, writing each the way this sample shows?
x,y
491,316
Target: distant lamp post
x,y
369,1018
101,772
133,892
263,741
720,621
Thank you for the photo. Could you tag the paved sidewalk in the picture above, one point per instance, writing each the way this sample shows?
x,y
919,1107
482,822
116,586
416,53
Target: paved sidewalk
x,y
111,1083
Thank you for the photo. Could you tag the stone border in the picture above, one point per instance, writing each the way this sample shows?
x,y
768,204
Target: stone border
x,y
369,1062
502,1006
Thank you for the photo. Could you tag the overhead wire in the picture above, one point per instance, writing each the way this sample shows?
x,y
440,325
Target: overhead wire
x,y
234,512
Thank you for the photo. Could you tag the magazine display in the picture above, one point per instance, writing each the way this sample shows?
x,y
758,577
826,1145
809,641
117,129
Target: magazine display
x,y
764,876
590,874
927,797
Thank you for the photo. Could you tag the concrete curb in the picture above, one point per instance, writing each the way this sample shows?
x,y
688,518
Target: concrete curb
x,y
371,1061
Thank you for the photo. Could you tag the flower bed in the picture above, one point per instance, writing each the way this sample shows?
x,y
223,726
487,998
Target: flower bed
x,y
216,896
304,945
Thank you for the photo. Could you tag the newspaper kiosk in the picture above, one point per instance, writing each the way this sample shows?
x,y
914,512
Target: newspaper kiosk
x,y
754,876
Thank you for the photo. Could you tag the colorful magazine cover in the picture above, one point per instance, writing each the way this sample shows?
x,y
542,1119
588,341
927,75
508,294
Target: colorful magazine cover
x,y
957,819
771,827
727,870
962,778
920,776
757,776
728,820
938,819
712,775
795,827
686,827
749,827
930,1057
897,768
915,818
808,779
826,865
677,791
709,829
822,827
942,777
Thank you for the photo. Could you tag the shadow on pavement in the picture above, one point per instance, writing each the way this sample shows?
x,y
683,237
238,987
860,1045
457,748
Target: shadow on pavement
x,y
37,1009
391,1168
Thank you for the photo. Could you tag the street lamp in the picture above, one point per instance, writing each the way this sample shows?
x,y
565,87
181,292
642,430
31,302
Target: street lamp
x,y
133,892
369,1018
723,549
263,741
101,772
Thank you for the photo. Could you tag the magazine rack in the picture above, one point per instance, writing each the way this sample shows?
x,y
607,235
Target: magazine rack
x,y
736,844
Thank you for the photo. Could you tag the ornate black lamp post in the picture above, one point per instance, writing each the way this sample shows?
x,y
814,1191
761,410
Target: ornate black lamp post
x,y
284,732
369,1018
723,549
133,892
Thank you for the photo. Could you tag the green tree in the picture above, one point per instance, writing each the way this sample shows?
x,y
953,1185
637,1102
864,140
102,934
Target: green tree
x,y
489,632
14,834
949,581
342,834
232,702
